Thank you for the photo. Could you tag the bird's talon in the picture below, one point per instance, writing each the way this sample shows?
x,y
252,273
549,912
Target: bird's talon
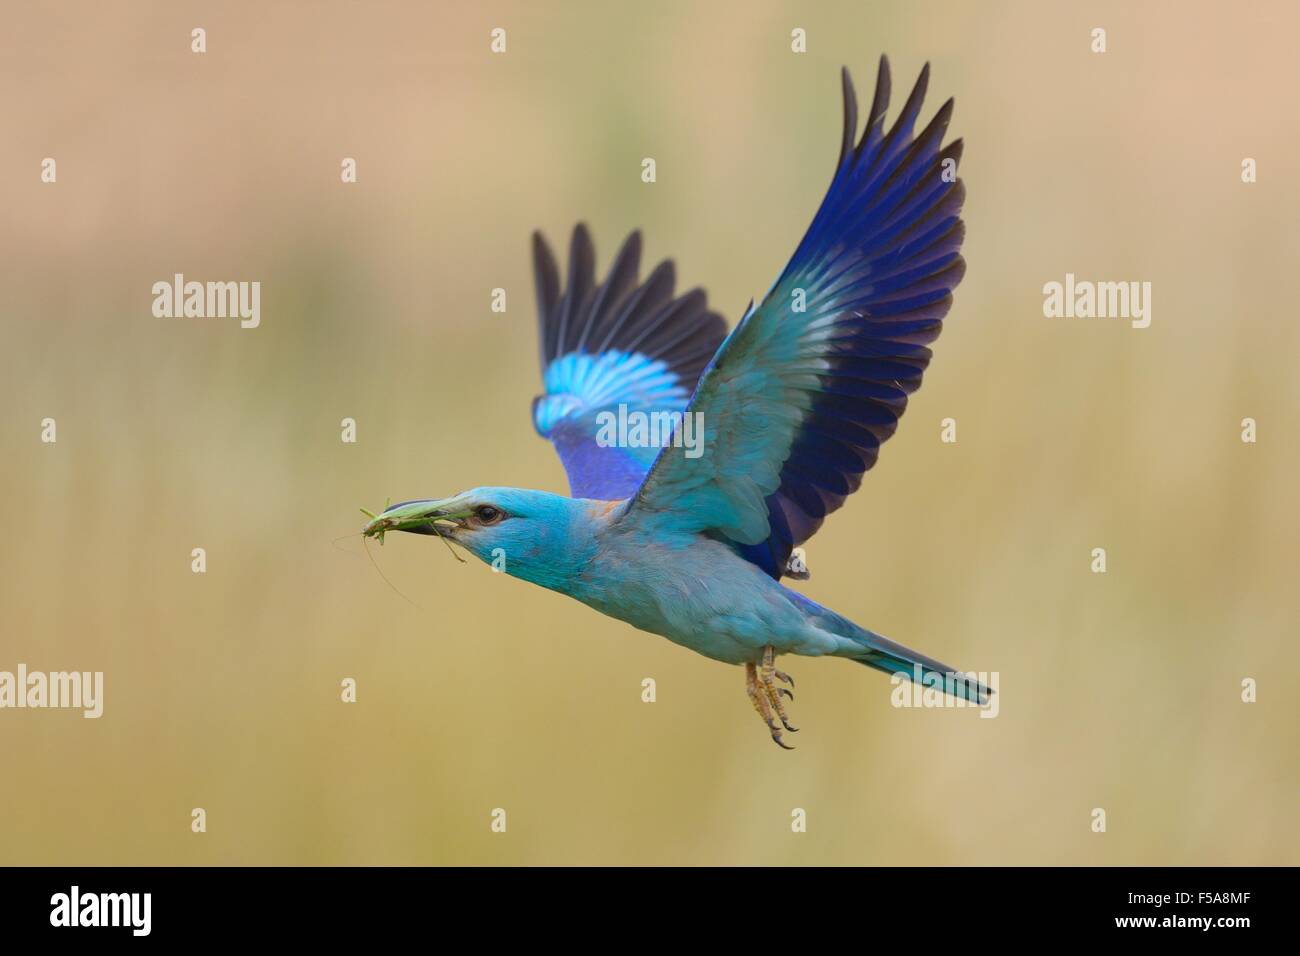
x,y
760,684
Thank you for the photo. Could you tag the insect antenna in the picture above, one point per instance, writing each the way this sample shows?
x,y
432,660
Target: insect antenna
x,y
385,577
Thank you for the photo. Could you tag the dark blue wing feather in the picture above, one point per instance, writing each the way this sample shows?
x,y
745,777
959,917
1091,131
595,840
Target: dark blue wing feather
x,y
799,400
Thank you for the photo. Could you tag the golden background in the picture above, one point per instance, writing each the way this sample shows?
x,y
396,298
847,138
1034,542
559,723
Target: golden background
x,y
1119,691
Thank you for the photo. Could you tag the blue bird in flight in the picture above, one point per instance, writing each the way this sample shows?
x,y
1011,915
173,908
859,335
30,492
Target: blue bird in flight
x,y
690,540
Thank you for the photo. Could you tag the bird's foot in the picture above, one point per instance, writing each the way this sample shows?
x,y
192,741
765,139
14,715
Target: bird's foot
x,y
765,695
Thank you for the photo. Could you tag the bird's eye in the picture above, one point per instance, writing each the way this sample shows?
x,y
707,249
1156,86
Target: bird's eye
x,y
486,514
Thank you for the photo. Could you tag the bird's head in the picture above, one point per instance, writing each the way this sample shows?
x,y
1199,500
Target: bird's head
x,y
535,535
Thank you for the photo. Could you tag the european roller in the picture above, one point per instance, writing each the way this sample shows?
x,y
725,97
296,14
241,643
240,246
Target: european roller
x,y
699,461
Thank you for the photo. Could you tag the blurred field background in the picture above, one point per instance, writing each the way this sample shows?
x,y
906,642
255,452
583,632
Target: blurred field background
x,y
1118,691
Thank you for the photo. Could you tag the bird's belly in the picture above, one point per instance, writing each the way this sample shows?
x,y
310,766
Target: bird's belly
x,y
718,608
710,637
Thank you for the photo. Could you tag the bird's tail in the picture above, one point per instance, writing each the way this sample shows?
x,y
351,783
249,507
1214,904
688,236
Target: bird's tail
x,y
885,655
868,647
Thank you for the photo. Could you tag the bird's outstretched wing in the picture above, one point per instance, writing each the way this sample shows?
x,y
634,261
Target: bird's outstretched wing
x,y
620,343
799,399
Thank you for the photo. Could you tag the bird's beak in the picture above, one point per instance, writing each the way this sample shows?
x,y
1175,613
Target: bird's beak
x,y
418,517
